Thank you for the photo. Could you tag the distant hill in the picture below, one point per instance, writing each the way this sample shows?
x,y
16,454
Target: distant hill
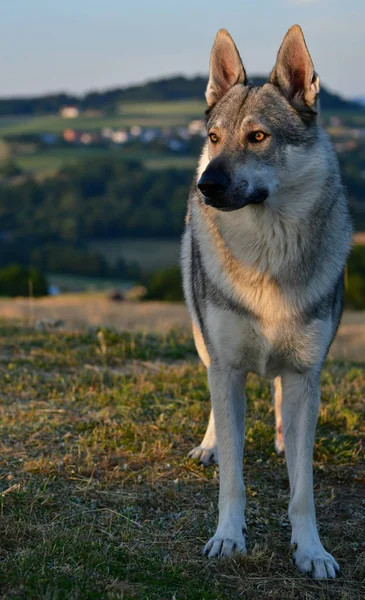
x,y
168,89
360,100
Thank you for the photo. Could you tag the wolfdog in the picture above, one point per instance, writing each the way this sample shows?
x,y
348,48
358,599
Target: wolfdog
x,y
263,257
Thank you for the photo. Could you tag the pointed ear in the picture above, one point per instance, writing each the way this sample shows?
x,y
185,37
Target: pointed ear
x,y
294,72
226,68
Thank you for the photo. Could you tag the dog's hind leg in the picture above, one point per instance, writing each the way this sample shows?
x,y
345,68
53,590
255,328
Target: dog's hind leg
x,y
207,451
200,346
276,393
300,405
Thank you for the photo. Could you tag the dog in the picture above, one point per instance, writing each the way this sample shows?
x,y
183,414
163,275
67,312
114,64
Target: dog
x,y
263,255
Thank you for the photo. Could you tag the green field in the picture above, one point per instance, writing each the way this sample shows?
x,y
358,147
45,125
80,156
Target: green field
x,y
178,109
143,114
158,114
56,158
354,118
155,114
99,499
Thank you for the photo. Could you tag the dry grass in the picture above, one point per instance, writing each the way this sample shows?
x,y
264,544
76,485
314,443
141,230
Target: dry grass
x,y
359,237
95,310
99,499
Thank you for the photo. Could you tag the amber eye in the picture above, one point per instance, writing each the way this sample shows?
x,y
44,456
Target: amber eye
x,y
257,136
213,138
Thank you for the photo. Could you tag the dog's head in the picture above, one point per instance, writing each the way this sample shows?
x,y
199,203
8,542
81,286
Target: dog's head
x,y
257,136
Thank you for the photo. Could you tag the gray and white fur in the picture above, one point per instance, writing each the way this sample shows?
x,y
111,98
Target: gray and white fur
x,y
263,256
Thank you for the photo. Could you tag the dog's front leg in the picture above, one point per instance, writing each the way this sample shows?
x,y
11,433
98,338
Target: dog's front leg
x,y
228,399
300,404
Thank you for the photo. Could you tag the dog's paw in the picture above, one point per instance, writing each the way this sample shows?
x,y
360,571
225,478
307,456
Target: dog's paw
x,y
279,444
205,455
222,546
318,563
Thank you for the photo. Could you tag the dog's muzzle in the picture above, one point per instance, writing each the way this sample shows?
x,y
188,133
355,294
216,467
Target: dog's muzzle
x,y
214,186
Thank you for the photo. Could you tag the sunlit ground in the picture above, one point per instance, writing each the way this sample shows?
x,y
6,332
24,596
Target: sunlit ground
x,y
99,498
95,310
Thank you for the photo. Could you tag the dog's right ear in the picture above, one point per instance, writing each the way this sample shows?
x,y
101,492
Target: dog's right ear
x,y
226,68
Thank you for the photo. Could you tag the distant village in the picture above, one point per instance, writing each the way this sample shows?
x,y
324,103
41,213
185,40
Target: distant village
x,y
176,138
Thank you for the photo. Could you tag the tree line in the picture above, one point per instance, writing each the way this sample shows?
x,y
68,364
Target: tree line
x,y
48,223
98,198
167,89
110,198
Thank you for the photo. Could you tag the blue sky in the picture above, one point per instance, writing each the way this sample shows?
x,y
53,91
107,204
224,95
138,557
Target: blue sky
x,y
78,45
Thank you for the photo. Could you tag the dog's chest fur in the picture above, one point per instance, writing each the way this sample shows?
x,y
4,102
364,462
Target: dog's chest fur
x,y
264,347
249,318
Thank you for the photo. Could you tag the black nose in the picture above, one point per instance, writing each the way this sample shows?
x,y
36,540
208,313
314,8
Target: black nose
x,y
214,183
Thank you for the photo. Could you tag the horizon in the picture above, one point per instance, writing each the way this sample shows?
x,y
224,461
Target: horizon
x,y
90,90
90,45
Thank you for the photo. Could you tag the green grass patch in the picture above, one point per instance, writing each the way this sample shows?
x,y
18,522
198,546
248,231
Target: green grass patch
x,y
54,159
99,499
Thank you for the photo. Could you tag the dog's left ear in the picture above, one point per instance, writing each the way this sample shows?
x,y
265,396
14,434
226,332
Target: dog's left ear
x,y
226,68
294,72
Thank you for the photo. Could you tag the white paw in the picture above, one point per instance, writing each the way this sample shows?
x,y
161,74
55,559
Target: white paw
x,y
279,444
205,455
316,562
224,546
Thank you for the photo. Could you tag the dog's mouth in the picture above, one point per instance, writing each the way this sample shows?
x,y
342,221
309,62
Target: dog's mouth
x,y
222,207
257,197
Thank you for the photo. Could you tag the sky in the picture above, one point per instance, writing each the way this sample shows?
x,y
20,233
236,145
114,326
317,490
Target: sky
x,y
79,45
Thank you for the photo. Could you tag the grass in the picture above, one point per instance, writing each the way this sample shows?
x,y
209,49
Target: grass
x,y
352,118
99,499
190,108
145,114
56,158
154,114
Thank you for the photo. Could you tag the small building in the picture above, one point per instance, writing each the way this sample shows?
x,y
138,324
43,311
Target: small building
x,y
69,135
86,138
119,137
136,130
69,112
197,127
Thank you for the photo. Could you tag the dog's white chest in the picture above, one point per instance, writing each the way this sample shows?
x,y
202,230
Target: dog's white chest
x,y
264,348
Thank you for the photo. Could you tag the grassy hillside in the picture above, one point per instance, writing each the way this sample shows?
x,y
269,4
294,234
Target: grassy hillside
x,y
163,114
46,159
99,499
54,159
154,114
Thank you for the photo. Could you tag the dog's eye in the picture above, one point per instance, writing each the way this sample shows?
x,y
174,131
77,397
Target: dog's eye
x,y
213,138
257,136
